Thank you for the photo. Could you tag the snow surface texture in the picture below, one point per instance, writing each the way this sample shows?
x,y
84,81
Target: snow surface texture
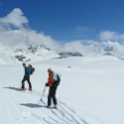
x,y
91,92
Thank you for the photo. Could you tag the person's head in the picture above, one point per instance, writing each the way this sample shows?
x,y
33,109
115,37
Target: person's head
x,y
49,70
24,65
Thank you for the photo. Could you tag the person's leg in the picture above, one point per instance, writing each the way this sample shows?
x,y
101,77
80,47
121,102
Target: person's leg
x,y
54,95
49,97
23,83
29,83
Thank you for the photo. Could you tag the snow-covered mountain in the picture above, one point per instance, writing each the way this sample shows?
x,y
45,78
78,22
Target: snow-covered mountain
x,y
26,52
17,54
23,46
67,54
20,43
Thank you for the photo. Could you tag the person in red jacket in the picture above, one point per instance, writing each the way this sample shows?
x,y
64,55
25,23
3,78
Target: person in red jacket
x,y
52,84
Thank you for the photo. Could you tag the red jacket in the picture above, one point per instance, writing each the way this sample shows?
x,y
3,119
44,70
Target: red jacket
x,y
50,79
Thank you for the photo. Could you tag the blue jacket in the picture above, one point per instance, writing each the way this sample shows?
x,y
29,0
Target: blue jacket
x,y
27,71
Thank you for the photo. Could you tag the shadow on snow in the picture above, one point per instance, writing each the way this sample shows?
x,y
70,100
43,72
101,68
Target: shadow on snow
x,y
12,88
31,105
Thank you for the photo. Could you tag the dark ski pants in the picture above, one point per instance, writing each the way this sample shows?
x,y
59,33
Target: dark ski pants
x,y
26,78
52,93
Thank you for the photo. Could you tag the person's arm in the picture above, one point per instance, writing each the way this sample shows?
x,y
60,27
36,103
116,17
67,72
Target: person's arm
x,y
50,80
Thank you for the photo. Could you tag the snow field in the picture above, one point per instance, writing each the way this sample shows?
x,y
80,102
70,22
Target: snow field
x,y
91,92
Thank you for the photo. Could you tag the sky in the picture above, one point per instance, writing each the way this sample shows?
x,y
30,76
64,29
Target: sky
x,y
68,20
62,24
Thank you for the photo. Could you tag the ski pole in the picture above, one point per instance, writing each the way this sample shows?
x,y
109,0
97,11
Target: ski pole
x,y
19,84
41,99
42,95
44,89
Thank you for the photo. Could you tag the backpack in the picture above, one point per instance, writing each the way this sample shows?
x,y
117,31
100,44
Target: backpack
x,y
58,81
32,69
58,78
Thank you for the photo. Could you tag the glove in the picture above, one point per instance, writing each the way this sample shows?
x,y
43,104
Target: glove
x,y
46,84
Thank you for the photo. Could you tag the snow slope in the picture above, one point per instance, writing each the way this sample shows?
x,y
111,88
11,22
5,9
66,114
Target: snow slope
x,y
91,92
24,53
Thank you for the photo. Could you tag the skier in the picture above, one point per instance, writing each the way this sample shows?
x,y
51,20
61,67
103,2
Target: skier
x,y
53,82
26,78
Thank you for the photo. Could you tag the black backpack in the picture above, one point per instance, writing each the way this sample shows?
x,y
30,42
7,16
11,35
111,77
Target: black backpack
x,y
58,78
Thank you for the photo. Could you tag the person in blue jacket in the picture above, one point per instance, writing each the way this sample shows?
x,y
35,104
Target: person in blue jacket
x,y
26,78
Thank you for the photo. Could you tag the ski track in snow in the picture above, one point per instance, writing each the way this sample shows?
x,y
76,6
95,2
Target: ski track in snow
x,y
64,114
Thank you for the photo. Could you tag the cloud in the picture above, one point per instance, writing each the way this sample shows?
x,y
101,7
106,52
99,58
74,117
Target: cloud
x,y
85,47
14,31
15,18
82,29
109,35
92,48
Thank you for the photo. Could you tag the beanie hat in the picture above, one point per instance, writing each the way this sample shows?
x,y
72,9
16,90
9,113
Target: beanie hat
x,y
49,69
